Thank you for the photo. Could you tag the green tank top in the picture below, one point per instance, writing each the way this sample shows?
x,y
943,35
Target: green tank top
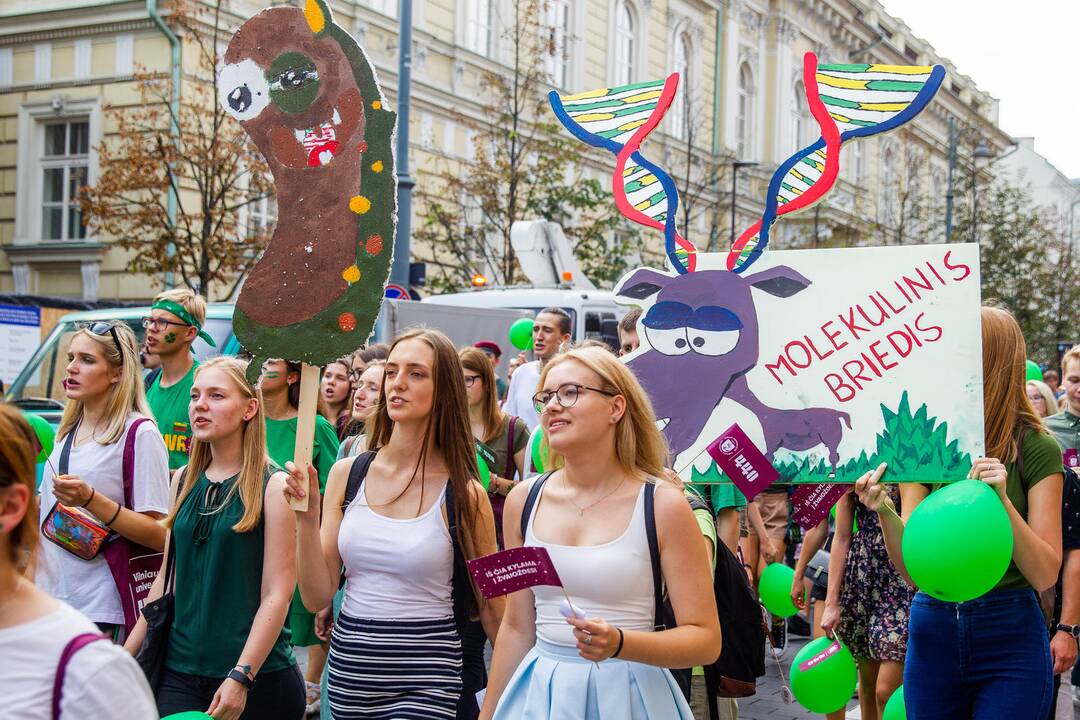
x,y
218,584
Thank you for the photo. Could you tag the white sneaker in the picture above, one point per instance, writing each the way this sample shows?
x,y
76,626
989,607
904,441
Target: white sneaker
x,y
313,697
779,638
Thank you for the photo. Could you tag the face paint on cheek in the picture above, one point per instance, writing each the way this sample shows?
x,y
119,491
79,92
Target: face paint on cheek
x,y
170,338
271,375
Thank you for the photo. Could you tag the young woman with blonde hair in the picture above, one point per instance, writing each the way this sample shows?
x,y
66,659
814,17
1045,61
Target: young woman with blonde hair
x,y
232,535
413,514
106,413
988,657
1042,398
592,514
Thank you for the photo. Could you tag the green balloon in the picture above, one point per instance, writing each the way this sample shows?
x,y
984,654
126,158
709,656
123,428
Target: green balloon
x,y
958,542
775,590
827,686
485,472
536,444
45,434
188,715
895,708
1033,371
521,333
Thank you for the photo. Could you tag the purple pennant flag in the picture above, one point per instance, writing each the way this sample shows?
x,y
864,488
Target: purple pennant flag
x,y
740,459
512,570
811,503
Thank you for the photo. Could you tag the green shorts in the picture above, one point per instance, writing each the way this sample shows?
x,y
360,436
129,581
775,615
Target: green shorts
x,y
301,623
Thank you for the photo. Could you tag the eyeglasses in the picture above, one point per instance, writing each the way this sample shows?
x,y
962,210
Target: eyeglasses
x,y
470,380
567,394
101,329
160,324
354,375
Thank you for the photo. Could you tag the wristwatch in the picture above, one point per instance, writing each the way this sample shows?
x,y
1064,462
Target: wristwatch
x,y
1073,630
241,677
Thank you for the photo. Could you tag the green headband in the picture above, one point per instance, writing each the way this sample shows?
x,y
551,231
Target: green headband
x,y
178,310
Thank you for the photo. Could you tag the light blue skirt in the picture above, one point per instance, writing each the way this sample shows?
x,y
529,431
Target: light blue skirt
x,y
553,682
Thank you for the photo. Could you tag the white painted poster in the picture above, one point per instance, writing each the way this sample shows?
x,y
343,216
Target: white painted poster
x,y
830,360
20,336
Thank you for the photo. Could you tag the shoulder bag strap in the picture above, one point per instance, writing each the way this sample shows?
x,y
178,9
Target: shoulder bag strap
x,y
129,463
509,474
65,452
654,555
530,502
74,645
461,590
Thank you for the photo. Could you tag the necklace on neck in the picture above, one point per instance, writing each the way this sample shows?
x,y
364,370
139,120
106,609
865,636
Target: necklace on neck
x,y
581,510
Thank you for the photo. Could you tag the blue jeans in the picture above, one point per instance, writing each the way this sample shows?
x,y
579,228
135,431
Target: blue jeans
x,y
984,659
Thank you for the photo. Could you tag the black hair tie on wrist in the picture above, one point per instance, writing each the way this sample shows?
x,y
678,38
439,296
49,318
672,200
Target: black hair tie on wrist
x,y
93,492
116,514
618,649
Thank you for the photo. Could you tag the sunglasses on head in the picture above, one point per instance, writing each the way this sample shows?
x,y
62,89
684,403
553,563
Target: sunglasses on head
x,y
101,329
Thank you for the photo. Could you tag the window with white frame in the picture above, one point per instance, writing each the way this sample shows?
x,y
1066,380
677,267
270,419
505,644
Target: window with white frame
x,y
557,25
857,166
680,108
478,26
386,7
65,160
625,43
744,113
802,123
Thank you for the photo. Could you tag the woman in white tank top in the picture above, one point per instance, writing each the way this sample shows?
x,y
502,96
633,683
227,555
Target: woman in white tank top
x,y
395,649
589,514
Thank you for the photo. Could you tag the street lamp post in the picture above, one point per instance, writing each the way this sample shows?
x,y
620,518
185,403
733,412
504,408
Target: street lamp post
x,y
980,159
399,271
735,166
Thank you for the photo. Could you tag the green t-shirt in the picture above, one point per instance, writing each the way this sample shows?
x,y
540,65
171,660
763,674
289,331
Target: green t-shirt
x,y
170,408
1042,458
281,444
219,585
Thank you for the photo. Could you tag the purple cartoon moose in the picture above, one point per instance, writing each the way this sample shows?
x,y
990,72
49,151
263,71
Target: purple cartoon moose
x,y
703,335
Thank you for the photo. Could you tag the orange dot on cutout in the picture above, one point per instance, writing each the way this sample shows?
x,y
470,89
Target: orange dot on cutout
x,y
374,245
346,321
359,204
376,166
377,105
351,274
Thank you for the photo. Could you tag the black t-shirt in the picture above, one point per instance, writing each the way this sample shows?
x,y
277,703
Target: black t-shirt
x,y
1070,528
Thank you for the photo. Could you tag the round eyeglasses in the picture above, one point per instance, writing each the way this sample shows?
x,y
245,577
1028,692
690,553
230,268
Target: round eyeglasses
x,y
567,394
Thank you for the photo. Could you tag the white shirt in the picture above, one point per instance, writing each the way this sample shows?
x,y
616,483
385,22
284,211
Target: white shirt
x,y
101,681
523,385
88,586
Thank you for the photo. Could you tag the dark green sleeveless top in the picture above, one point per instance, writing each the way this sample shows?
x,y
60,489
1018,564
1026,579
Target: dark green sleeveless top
x,y
218,584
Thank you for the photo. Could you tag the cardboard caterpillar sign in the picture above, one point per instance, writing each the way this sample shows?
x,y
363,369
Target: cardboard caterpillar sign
x,y
307,95
829,361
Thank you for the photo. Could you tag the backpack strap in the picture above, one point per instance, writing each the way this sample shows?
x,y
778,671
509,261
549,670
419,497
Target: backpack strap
x,y
654,556
530,502
129,463
509,475
151,378
74,645
357,472
460,586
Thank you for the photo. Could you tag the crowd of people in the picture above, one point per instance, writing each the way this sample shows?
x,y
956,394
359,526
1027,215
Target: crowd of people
x,y
360,558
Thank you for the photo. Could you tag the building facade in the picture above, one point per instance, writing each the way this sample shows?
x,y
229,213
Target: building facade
x,y
63,63
1050,189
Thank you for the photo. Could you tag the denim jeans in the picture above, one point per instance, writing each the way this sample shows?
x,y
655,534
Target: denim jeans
x,y
277,695
984,659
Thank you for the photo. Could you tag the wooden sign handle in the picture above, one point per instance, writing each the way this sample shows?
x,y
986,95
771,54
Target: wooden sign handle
x,y
305,425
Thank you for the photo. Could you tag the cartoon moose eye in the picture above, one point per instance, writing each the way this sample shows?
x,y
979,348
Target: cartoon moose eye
x,y
665,327
243,90
294,82
713,330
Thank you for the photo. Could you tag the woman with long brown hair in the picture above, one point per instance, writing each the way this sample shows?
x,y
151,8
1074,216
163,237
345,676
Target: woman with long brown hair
x,y
988,657
400,520
106,418
37,632
600,657
231,535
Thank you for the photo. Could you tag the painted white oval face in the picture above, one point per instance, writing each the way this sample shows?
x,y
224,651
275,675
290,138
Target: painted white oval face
x,y
242,89
712,342
669,341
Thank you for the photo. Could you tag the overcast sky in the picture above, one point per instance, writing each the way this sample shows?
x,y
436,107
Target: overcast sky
x,y
1022,53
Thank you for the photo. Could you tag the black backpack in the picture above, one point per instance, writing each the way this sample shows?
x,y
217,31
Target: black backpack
x,y
461,592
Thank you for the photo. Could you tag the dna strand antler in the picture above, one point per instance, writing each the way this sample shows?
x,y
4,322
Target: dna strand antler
x,y
848,102
618,120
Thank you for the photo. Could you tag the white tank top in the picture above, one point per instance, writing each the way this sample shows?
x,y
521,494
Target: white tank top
x,y
612,581
396,569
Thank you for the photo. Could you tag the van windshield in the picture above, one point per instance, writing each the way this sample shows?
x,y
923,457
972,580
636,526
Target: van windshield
x,y
39,384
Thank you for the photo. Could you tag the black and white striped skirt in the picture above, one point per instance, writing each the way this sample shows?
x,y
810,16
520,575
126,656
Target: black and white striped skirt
x,y
394,669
